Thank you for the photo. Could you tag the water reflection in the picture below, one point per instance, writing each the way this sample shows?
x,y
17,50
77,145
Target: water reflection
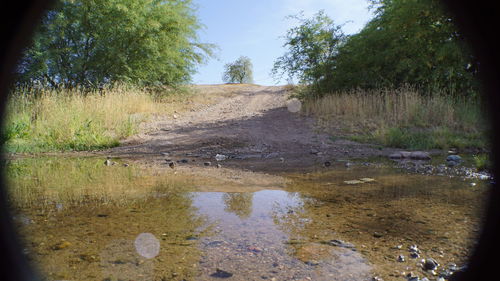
x,y
238,203
86,221
255,248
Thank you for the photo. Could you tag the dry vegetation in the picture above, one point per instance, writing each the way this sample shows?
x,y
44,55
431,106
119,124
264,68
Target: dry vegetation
x,y
49,120
402,118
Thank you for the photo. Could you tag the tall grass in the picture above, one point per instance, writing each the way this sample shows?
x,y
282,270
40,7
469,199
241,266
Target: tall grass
x,y
402,118
50,120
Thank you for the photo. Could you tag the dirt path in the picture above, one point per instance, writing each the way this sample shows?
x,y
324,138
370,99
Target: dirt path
x,y
251,125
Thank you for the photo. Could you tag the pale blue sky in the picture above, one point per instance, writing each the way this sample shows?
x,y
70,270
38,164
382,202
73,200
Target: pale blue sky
x,y
253,28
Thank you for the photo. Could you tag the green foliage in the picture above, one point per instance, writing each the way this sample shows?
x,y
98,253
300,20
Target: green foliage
x,y
482,162
97,42
240,71
407,42
312,46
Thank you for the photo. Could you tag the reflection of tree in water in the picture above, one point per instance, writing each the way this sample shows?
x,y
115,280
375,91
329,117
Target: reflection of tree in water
x,y
239,204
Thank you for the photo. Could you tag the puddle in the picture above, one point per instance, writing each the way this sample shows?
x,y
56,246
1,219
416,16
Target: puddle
x,y
82,220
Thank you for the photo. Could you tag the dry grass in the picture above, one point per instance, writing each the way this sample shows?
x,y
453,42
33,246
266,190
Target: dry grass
x,y
394,117
51,120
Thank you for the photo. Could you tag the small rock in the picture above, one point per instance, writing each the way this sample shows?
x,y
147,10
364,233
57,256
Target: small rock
x,y
396,155
411,277
340,243
376,278
420,155
413,248
367,180
414,255
220,157
171,165
454,158
207,163
61,245
352,182
184,161
219,166
282,159
430,264
327,164
312,263
401,258
125,165
377,234
108,162
219,273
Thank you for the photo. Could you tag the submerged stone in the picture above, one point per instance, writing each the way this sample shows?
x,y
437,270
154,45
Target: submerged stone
x,y
219,273
352,182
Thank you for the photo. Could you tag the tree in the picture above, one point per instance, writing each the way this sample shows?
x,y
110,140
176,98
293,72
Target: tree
x,y
407,42
239,71
311,46
91,42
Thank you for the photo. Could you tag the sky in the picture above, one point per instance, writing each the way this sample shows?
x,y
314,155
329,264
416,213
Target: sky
x,y
254,28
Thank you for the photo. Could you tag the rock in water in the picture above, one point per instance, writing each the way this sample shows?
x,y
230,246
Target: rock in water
x,y
430,264
220,157
351,182
219,273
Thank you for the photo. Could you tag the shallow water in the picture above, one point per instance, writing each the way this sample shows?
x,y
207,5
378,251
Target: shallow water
x,y
82,220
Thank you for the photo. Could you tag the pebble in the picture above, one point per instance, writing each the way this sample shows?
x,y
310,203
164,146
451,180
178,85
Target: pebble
x,y
454,158
401,258
220,157
342,244
414,255
327,164
61,245
219,273
312,263
207,163
430,264
171,165
377,234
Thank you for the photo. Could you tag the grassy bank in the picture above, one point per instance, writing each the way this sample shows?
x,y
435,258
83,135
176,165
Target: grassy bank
x,y
49,120
402,118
